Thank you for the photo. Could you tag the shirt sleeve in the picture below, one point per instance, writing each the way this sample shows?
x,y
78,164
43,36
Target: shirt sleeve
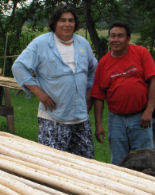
x,y
148,64
24,67
97,91
91,68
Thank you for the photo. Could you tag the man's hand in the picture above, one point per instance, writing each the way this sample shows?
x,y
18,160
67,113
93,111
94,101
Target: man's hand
x,y
98,110
147,114
46,100
99,133
43,97
146,119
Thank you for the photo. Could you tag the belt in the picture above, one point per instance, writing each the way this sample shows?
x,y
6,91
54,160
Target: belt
x,y
130,114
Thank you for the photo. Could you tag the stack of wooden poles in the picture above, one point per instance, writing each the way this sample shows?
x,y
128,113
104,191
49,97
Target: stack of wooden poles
x,y
9,82
27,167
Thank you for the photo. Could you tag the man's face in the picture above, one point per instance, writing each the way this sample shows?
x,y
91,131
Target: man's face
x,y
118,40
65,26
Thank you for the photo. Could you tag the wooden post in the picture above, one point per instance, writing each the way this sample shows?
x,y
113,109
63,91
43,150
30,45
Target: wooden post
x,y
7,110
1,95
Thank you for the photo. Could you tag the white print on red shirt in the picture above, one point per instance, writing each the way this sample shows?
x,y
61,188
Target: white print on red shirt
x,y
128,72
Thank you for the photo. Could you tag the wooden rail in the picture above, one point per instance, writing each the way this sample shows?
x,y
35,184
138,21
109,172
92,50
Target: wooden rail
x,y
9,82
6,110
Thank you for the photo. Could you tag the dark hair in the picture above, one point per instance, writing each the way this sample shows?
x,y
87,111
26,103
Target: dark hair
x,y
121,24
142,160
55,16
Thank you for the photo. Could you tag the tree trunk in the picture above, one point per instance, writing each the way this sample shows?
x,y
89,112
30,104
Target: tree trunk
x,y
99,44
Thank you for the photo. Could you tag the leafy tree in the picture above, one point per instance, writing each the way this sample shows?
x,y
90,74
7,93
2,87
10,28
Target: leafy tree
x,y
93,14
13,15
140,15
146,8
97,12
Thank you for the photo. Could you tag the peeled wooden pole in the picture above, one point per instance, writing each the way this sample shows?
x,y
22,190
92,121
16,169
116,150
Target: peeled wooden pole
x,y
48,171
51,180
9,82
31,184
19,187
123,178
78,159
127,180
7,191
54,173
75,158
109,184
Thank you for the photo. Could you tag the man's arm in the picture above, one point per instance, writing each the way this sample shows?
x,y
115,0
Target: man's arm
x,y
92,61
90,78
98,112
89,99
147,114
42,96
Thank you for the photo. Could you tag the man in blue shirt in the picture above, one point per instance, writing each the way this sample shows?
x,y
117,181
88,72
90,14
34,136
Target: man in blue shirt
x,y
64,65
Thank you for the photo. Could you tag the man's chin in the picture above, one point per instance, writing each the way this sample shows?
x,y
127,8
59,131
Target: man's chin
x,y
115,49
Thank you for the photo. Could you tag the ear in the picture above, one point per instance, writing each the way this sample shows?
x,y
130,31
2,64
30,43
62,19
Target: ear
x,y
128,38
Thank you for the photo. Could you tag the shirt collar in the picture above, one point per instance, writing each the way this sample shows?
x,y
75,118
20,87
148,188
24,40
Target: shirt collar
x,y
51,39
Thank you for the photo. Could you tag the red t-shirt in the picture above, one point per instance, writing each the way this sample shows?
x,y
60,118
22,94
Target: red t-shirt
x,y
122,81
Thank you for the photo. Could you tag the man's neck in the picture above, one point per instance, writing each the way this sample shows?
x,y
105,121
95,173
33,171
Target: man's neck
x,y
66,40
118,54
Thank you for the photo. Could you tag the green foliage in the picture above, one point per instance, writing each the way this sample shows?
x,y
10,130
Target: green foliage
x,y
147,38
139,14
13,15
25,113
16,15
3,126
147,35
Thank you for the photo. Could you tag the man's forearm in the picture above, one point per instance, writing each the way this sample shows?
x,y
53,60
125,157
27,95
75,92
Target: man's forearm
x,y
34,89
89,99
151,96
98,111
42,96
88,94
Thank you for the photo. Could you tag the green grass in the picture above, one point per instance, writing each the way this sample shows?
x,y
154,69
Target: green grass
x,y
26,124
102,152
25,116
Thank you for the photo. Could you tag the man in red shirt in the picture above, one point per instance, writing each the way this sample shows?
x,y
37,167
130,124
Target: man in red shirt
x,y
125,77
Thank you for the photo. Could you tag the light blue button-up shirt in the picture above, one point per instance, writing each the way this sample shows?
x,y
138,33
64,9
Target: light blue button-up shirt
x,y
67,89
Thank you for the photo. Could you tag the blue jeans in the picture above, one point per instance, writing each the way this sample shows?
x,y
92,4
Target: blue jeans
x,y
125,134
153,126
